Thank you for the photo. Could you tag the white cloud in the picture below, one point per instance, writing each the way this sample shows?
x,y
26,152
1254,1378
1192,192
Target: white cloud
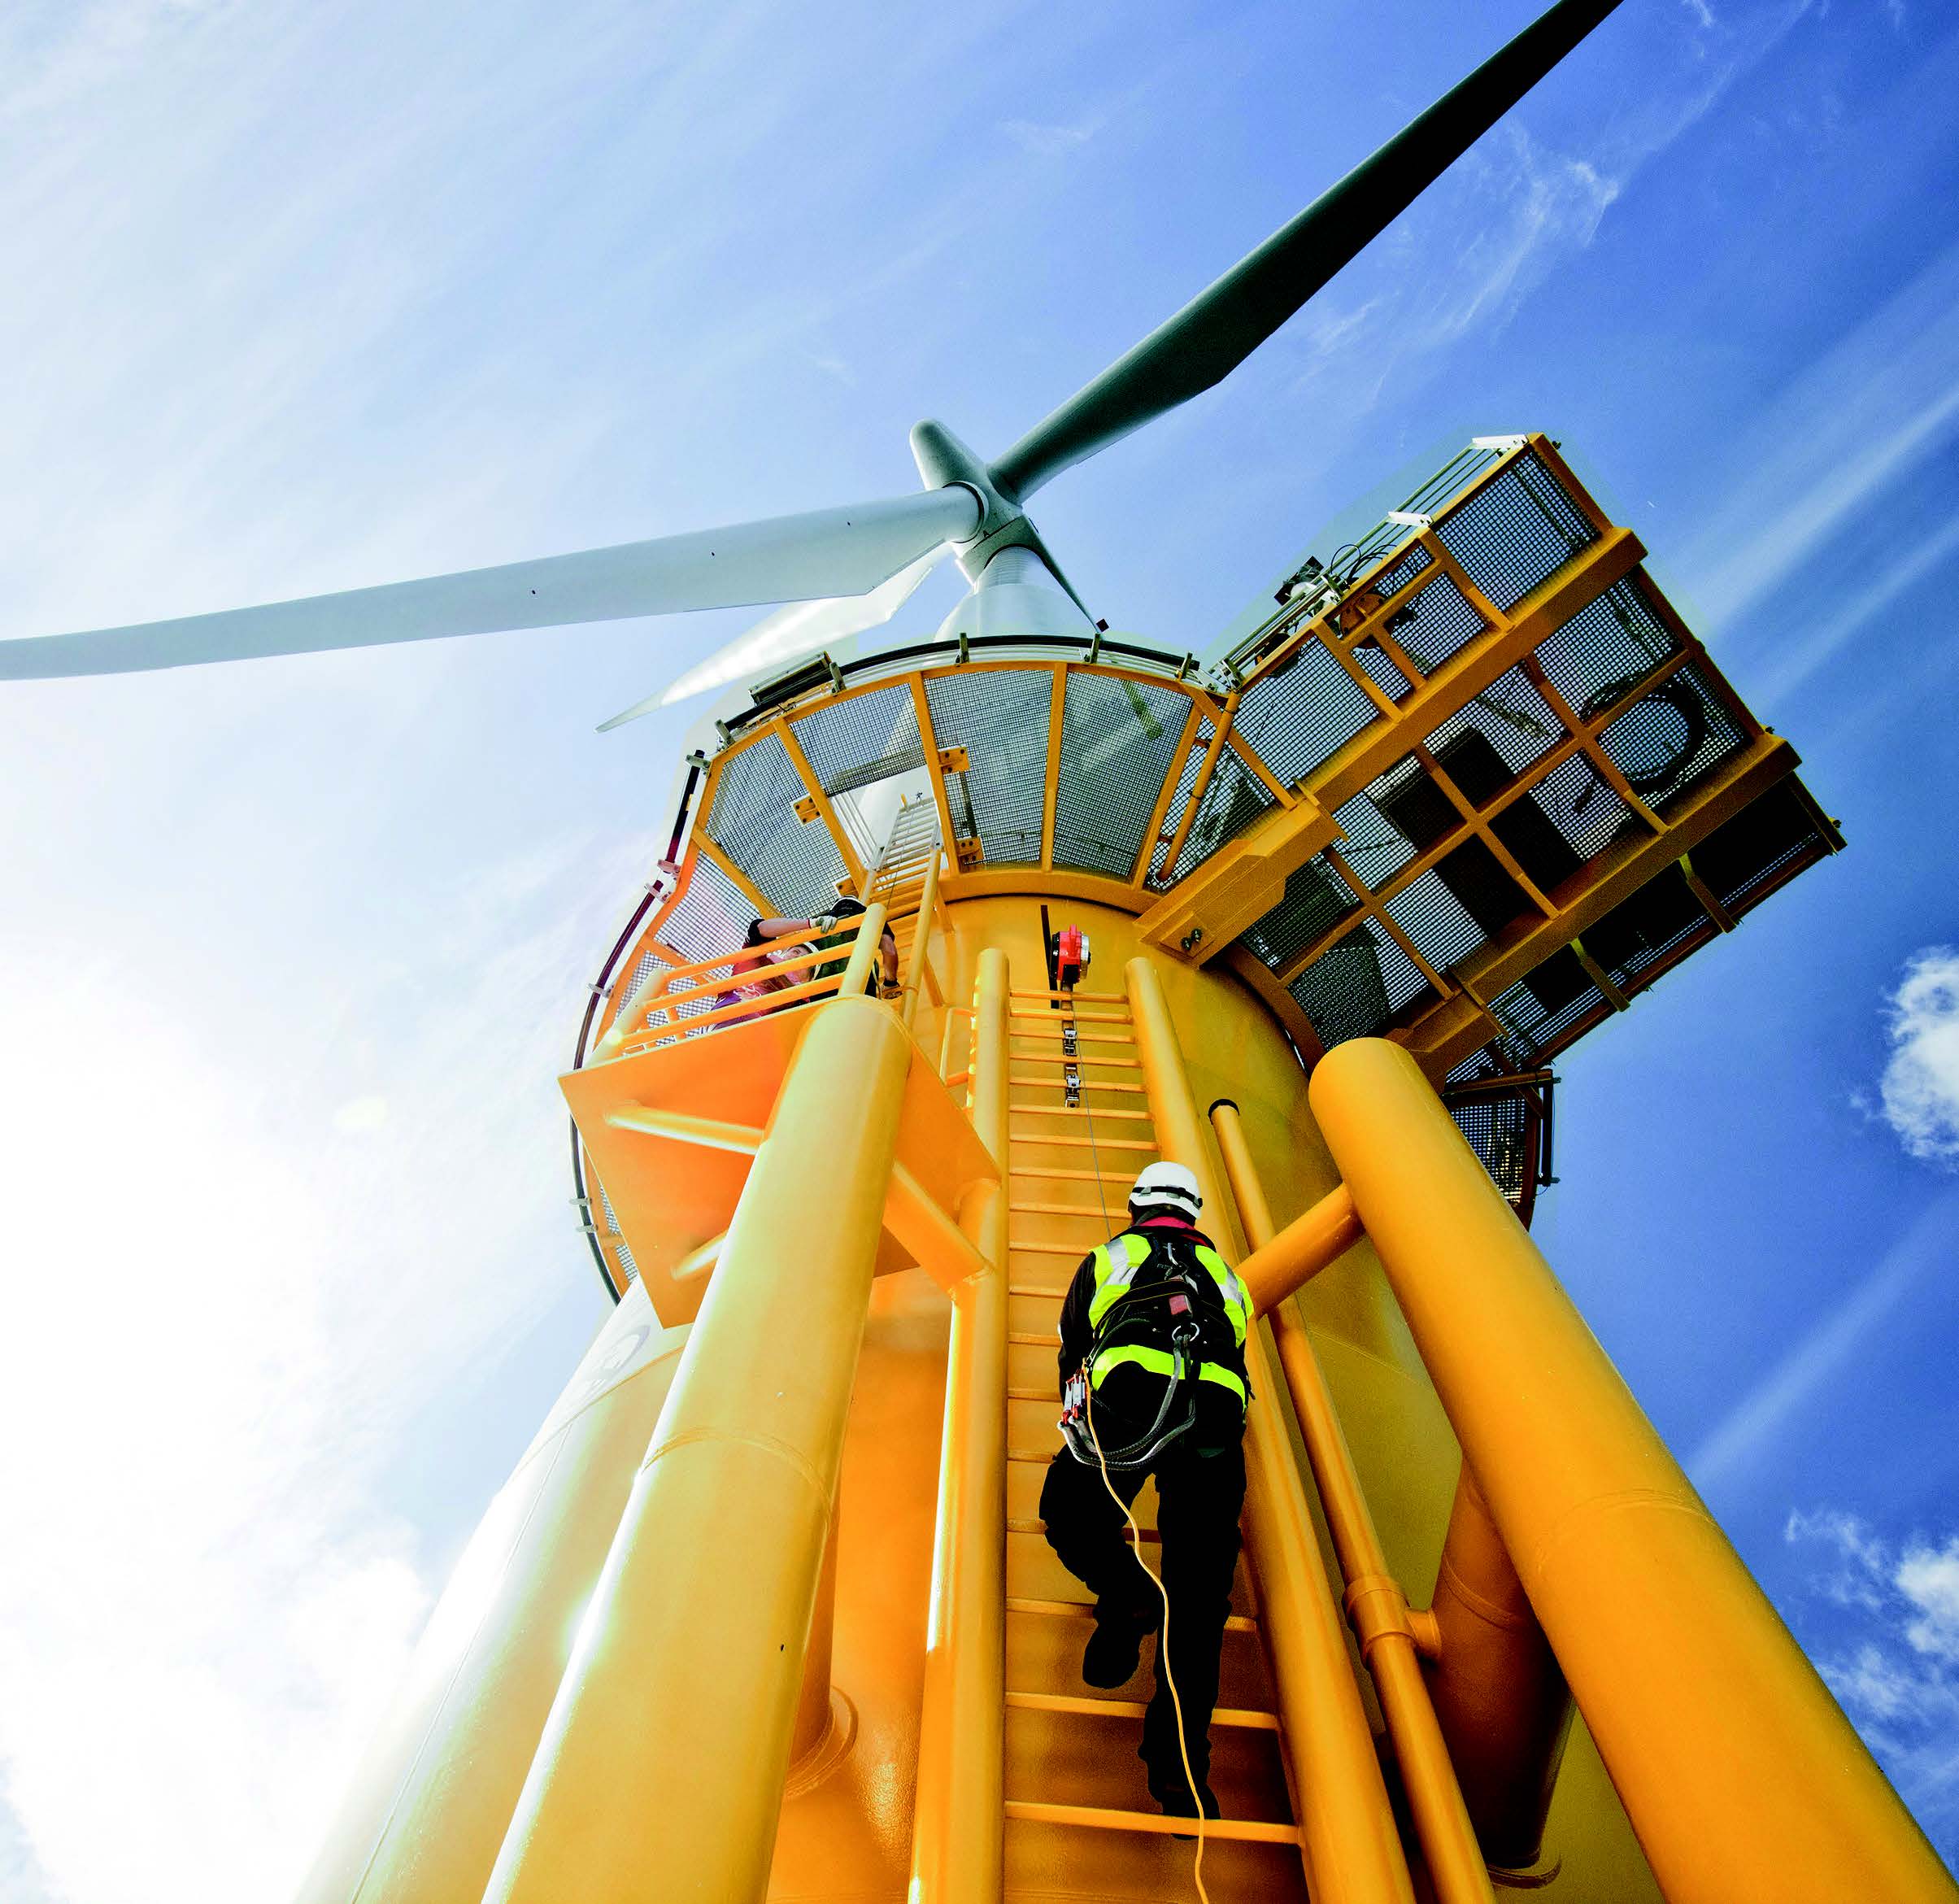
x,y
1919,1092
1892,1664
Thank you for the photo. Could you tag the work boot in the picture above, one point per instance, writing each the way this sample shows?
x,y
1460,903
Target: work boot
x,y
1115,1647
1177,1802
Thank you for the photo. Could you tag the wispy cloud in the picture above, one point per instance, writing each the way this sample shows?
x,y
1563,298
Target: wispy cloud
x,y
1895,1667
1918,1094
1844,436
1800,1382
1047,142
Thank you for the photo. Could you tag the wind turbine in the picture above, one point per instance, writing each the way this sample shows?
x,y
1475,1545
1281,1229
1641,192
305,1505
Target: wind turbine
x,y
847,569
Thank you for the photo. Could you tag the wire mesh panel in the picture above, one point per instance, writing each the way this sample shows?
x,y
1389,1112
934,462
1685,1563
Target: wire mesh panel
x,y
795,864
1360,986
713,912
1299,715
1375,663
1518,529
1435,623
1316,899
1437,921
1374,846
1000,715
1158,876
1117,738
1583,806
1536,1029
1605,651
1670,739
1234,798
1401,572
1505,1132
1512,722
856,739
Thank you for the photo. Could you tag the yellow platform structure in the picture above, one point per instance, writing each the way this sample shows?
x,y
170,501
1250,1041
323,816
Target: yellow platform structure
x,y
766,1611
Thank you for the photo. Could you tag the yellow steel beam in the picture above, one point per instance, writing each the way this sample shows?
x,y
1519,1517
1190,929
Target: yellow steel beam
x,y
1745,1783
1057,711
859,882
1347,1828
764,905
928,741
1220,732
1150,833
702,1614
958,1844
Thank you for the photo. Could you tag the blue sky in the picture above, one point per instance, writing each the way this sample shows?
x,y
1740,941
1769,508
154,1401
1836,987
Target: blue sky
x,y
306,298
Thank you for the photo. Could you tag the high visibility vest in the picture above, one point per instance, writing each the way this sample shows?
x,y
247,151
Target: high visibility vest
x,y
1115,1264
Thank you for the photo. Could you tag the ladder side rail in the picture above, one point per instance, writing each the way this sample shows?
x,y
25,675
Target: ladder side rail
x,y
959,1829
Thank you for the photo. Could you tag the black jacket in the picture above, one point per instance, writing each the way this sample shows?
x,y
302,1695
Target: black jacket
x,y
1075,1330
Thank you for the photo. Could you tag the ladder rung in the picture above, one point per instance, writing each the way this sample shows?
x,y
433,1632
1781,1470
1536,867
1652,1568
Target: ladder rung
x,y
1034,1394
1035,1057
1031,1341
1247,1717
1148,1535
1067,1249
1032,1457
1081,1037
1099,1819
1082,1143
1107,998
1019,1078
1071,1110
1061,1209
1034,1289
1079,1017
1066,1176
1236,1622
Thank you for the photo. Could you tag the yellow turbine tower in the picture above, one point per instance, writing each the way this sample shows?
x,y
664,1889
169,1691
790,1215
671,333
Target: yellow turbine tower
x,y
767,1611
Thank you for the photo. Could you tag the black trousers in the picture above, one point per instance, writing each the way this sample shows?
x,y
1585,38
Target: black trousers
x,y
1198,1499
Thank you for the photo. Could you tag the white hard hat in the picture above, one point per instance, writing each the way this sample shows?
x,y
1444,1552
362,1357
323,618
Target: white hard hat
x,y
1170,1185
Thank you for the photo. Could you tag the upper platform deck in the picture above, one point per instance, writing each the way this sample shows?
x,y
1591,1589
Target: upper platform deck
x,y
1473,787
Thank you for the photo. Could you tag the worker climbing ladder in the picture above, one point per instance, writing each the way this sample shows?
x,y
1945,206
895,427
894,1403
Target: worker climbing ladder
x,y
1075,1814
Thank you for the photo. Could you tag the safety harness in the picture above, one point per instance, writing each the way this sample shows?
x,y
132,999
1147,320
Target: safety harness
x,y
1168,1302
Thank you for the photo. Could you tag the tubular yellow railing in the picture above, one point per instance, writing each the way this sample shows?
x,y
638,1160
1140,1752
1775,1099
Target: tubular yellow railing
x,y
959,1829
1346,1830
662,1766
663,992
1375,1603
1742,1778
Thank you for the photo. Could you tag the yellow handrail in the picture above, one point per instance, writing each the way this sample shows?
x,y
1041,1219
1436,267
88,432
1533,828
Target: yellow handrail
x,y
685,1679
917,965
1743,1779
959,1831
634,1018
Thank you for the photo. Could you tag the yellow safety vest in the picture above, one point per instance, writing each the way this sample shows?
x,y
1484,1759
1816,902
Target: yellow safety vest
x,y
1115,1264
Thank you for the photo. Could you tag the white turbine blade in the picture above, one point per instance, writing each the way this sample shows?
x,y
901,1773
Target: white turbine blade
x,y
785,558
788,633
